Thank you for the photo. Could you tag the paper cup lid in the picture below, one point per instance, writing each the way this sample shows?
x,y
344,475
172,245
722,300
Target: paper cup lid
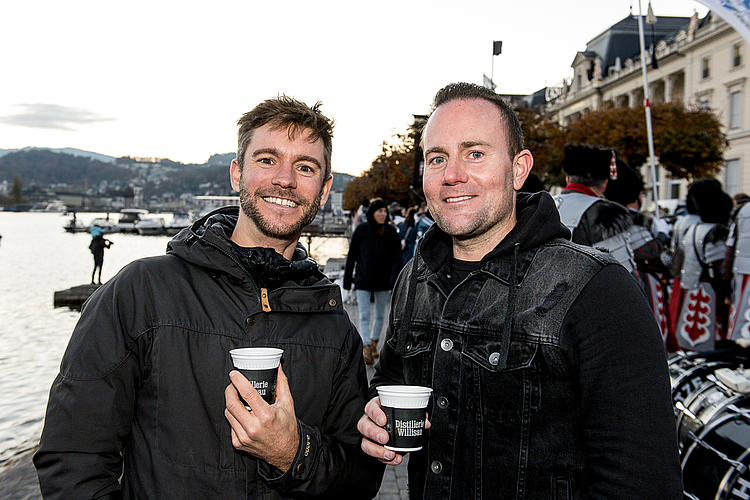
x,y
256,358
404,396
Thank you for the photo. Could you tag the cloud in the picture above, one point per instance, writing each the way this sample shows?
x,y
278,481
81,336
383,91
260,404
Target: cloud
x,y
51,116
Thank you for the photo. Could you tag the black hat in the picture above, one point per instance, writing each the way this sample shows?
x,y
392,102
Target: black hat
x,y
587,161
376,205
627,187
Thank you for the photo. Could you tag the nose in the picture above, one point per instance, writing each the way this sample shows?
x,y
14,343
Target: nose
x,y
284,176
455,172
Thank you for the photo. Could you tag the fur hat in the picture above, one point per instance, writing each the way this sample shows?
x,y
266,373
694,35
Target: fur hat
x,y
587,161
627,187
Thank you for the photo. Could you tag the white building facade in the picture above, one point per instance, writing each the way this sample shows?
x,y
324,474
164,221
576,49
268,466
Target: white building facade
x,y
701,63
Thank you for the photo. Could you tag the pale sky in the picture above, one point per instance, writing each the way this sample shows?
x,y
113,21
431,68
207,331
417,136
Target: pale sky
x,y
169,79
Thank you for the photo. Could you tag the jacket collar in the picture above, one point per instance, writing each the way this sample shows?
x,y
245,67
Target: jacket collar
x,y
267,268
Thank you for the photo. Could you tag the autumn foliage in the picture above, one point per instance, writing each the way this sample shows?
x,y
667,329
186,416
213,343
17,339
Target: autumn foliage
x,y
689,143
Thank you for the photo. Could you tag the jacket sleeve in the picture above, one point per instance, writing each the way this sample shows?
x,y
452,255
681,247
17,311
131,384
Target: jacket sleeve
x,y
329,463
614,352
90,409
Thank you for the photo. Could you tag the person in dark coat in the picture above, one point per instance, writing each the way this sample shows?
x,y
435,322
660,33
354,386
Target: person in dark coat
x,y
147,403
97,246
372,265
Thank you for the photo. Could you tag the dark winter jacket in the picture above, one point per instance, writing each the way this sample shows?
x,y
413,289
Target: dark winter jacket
x,y
374,259
141,385
548,371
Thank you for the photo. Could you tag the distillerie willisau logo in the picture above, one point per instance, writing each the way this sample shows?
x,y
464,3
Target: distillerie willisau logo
x,y
409,428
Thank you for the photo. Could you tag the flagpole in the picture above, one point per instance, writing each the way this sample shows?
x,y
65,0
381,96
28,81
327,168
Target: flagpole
x,y
647,105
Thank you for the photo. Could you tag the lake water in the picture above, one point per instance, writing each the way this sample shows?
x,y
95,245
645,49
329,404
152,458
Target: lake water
x,y
37,258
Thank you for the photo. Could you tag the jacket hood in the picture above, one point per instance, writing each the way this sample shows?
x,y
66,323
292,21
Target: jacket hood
x,y
207,243
537,223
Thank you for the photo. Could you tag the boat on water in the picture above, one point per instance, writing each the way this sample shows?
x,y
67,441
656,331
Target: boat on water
x,y
76,226
128,218
179,221
49,206
150,226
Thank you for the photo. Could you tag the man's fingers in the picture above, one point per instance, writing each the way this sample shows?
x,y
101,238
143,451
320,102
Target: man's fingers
x,y
372,431
387,457
246,389
375,412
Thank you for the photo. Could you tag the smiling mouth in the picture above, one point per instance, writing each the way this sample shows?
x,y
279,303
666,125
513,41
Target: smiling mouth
x,y
457,199
282,202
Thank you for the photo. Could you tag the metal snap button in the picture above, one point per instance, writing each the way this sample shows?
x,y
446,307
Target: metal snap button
x,y
250,320
494,358
436,467
442,402
446,344
408,346
332,302
301,468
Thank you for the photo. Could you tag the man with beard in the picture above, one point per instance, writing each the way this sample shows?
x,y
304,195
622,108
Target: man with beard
x,y
147,403
548,373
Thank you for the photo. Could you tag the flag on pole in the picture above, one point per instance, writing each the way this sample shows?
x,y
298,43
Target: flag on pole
x,y
497,48
488,83
735,12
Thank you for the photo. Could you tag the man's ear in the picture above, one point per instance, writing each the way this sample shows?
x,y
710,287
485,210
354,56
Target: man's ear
x,y
235,173
522,165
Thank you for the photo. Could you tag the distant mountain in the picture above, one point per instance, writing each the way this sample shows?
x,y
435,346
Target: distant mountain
x,y
69,151
44,167
80,170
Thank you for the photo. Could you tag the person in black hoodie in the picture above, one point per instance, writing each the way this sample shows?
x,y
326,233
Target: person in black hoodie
x,y
548,372
372,264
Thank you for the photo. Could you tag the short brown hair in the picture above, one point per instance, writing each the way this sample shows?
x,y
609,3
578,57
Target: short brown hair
x,y
284,112
462,90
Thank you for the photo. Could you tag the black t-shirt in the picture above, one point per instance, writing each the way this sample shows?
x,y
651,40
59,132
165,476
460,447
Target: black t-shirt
x,y
460,269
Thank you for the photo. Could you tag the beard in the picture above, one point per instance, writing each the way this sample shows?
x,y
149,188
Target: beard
x,y
480,222
249,204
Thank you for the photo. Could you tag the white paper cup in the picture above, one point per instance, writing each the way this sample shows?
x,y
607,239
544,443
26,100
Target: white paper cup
x,y
405,408
260,366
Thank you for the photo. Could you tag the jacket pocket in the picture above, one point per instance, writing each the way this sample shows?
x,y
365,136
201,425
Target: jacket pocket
x,y
502,395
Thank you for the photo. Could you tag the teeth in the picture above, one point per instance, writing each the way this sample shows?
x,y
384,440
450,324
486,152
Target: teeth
x,y
460,198
281,201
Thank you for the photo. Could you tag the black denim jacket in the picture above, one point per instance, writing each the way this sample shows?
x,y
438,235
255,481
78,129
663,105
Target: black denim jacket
x,y
510,418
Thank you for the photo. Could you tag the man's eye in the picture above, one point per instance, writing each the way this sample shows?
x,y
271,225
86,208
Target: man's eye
x,y
267,161
437,160
475,155
306,169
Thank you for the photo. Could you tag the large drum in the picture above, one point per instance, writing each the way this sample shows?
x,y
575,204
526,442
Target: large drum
x,y
689,372
713,399
715,463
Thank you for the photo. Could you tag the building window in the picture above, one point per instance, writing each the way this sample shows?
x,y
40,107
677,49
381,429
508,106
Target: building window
x,y
737,55
732,176
674,189
735,110
705,67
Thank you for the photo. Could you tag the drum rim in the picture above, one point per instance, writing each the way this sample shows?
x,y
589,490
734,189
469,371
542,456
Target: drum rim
x,y
708,428
736,396
728,474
